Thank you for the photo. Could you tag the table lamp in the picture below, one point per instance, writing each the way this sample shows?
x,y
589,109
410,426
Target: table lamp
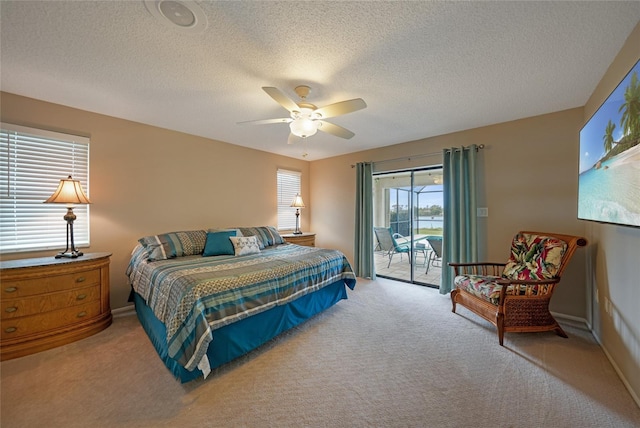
x,y
69,192
297,204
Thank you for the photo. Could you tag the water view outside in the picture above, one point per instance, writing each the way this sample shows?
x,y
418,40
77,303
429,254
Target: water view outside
x,y
429,223
402,199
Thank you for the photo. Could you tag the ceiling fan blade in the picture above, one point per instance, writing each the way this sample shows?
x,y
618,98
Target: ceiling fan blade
x,y
281,98
343,107
266,121
293,139
336,130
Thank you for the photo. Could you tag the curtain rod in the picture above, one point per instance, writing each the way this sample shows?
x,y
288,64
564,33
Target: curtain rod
x,y
423,155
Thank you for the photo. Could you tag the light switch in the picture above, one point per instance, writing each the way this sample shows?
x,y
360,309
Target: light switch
x,y
483,212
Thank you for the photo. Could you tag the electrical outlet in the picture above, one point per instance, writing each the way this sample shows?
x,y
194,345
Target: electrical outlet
x,y
483,212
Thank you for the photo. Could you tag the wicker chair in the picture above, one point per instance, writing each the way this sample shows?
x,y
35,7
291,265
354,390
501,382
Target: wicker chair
x,y
515,296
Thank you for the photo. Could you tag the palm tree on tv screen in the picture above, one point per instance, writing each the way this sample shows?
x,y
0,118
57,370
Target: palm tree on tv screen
x,y
630,120
608,136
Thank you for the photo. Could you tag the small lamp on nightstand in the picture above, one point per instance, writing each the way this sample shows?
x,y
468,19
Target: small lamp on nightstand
x,y
69,192
297,204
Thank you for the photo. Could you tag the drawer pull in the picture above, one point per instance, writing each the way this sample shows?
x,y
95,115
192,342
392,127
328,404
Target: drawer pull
x,y
11,289
81,297
81,279
11,309
10,329
82,314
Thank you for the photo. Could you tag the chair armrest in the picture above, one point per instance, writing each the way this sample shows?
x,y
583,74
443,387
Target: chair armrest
x,y
529,287
478,268
507,281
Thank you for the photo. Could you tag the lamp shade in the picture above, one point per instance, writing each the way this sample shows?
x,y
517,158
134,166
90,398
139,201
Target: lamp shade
x,y
69,191
297,202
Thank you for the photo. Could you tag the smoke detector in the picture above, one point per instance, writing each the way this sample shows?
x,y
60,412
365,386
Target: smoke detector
x,y
183,15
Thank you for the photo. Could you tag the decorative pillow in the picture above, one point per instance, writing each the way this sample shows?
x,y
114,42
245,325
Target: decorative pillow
x,y
267,235
254,231
275,236
245,245
226,229
174,244
219,244
138,255
534,257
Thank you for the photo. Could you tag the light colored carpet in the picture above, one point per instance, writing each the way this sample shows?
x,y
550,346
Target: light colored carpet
x,y
393,355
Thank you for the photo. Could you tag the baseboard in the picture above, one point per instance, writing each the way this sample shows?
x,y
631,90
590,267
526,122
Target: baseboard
x,y
583,324
125,311
573,321
634,395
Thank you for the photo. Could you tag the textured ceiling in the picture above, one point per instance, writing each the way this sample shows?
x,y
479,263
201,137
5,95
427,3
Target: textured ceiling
x,y
423,68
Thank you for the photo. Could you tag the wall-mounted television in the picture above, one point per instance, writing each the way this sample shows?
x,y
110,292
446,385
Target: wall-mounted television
x,y
609,180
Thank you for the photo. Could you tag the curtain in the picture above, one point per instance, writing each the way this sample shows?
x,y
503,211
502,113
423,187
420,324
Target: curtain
x,y
460,238
364,266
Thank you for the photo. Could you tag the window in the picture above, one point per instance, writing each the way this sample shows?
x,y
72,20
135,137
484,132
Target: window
x,y
288,188
32,162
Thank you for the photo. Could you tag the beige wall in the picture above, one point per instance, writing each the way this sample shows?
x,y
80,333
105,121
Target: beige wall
x,y
614,255
528,180
146,180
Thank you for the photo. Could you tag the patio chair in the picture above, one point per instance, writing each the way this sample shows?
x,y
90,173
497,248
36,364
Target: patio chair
x,y
389,245
435,255
515,296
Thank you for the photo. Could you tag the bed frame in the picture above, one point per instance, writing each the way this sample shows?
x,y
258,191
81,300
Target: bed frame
x,y
241,337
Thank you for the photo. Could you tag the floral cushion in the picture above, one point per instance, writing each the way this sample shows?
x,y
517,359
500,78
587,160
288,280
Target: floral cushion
x,y
534,257
484,287
487,287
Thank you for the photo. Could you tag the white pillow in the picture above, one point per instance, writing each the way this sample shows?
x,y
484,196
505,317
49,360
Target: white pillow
x,y
244,245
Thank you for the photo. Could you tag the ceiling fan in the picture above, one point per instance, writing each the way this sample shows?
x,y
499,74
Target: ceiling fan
x,y
305,118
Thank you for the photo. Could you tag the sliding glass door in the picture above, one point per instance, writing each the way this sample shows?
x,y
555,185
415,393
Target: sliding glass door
x,y
408,206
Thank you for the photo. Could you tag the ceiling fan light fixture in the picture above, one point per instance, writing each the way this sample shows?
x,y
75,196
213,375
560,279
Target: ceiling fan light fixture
x,y
305,118
303,124
303,127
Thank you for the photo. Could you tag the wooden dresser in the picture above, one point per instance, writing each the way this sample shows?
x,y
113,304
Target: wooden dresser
x,y
48,302
306,238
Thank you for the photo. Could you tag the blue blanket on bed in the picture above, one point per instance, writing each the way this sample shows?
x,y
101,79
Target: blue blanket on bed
x,y
194,295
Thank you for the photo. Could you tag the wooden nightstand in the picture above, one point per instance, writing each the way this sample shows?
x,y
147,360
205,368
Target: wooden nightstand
x,y
306,238
48,302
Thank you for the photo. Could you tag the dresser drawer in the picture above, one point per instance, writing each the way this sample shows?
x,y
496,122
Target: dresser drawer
x,y
14,308
48,284
47,302
24,326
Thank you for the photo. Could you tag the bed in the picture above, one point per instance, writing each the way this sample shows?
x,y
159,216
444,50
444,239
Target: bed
x,y
205,298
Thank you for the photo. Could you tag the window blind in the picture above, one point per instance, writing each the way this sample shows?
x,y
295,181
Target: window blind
x,y
32,162
288,188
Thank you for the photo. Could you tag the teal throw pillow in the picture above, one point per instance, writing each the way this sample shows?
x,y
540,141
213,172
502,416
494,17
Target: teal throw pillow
x,y
219,244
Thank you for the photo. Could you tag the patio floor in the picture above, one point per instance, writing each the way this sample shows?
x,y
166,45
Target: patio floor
x,y
401,269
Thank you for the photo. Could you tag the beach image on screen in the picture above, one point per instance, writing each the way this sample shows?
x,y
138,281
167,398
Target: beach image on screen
x,y
609,180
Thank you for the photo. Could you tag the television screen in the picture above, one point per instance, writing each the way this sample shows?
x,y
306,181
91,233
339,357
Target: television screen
x,y
609,181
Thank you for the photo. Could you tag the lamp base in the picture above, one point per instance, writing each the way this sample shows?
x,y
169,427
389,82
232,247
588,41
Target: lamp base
x,y
297,232
69,254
